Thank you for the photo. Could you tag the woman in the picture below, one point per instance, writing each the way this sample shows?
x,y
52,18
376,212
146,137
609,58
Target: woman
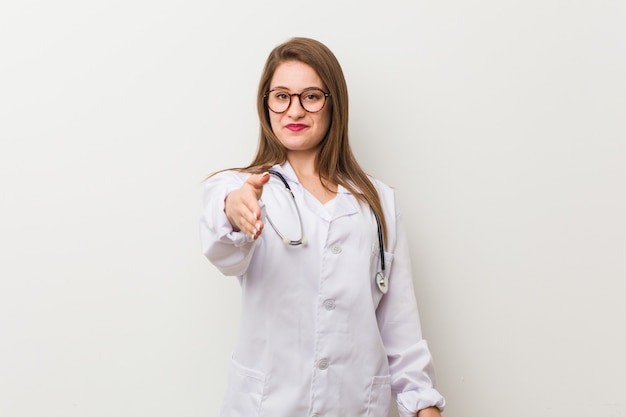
x,y
329,327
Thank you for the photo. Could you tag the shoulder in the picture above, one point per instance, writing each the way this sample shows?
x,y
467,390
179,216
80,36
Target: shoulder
x,y
222,183
388,200
387,193
229,176
381,186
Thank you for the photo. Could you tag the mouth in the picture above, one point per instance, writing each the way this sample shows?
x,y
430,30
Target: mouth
x,y
296,127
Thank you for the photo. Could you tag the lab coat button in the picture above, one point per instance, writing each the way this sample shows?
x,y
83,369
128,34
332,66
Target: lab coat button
x,y
315,415
336,249
323,364
329,304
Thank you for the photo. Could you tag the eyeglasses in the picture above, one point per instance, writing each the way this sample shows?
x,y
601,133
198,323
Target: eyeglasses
x,y
311,99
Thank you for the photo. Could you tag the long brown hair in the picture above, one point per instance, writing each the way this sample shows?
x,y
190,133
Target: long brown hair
x,y
335,161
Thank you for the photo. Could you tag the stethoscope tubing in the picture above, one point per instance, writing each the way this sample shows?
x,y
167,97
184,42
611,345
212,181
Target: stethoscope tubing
x,y
380,278
290,242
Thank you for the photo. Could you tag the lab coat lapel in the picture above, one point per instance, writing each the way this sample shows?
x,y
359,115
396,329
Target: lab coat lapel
x,y
344,204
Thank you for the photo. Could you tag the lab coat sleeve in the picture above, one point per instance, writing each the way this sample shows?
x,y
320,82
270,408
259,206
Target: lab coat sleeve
x,y
230,251
410,361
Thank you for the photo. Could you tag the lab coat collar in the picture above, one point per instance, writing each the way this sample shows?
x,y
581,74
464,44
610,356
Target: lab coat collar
x,y
290,175
344,204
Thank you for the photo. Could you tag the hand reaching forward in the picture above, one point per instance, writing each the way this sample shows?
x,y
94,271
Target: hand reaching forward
x,y
242,206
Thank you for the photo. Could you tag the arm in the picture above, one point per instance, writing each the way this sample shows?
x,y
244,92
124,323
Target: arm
x,y
229,225
410,361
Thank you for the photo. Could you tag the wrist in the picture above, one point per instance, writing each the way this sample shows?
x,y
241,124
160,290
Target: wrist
x,y
227,213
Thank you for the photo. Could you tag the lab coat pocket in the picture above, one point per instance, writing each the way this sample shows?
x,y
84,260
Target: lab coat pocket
x,y
245,391
379,402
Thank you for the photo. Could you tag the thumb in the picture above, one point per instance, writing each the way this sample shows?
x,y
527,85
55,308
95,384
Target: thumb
x,y
258,180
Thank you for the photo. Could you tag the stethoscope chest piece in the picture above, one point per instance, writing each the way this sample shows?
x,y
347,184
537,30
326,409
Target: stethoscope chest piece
x,y
381,281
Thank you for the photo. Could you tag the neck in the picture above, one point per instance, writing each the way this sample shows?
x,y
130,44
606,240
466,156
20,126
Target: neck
x,y
303,164
308,176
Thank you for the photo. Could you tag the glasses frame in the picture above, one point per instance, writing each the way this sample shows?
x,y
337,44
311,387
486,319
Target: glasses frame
x,y
266,97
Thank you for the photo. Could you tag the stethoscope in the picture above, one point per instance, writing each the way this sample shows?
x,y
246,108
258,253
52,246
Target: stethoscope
x,y
380,278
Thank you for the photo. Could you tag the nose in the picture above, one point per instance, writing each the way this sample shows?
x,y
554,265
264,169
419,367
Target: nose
x,y
295,108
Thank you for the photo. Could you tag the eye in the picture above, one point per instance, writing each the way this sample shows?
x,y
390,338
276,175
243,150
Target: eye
x,y
281,96
312,96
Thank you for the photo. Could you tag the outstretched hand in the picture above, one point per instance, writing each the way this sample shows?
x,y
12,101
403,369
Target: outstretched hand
x,y
242,206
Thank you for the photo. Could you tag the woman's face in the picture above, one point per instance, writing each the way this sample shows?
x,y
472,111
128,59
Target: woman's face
x,y
297,129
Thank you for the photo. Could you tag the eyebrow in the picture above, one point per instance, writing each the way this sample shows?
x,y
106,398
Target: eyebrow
x,y
280,87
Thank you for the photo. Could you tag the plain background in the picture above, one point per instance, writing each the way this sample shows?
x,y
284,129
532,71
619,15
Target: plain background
x,y
501,124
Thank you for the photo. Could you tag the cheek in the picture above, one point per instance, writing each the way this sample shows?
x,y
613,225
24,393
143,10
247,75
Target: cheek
x,y
274,122
324,121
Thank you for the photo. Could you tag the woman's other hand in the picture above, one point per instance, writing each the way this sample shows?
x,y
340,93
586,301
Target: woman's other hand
x,y
429,412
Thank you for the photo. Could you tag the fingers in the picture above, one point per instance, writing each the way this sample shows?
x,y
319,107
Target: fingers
x,y
243,212
248,222
255,183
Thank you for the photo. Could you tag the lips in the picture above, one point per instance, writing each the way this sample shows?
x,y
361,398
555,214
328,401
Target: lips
x,y
296,127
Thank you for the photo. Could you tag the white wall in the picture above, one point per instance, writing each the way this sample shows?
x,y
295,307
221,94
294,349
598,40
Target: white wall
x,y
501,124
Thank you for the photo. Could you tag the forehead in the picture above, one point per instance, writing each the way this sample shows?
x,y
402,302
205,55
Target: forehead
x,y
294,76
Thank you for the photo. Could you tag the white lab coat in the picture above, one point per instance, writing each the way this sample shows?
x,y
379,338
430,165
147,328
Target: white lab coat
x,y
317,337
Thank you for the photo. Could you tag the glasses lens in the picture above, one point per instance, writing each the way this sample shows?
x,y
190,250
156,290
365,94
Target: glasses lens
x,y
312,100
278,101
